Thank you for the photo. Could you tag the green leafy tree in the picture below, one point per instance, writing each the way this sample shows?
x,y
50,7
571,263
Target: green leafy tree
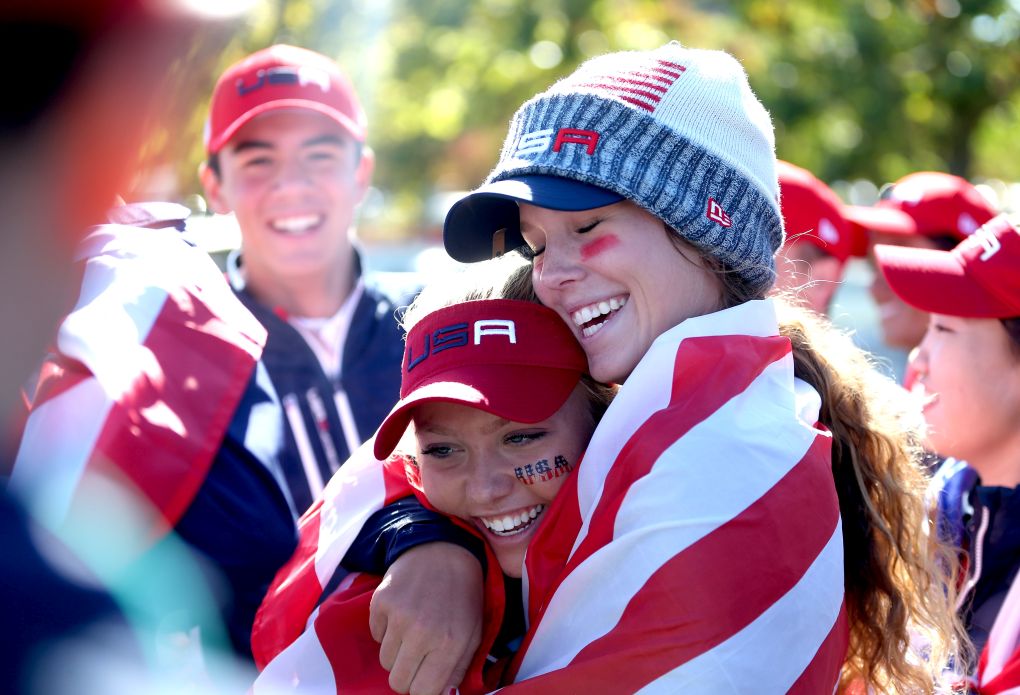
x,y
867,88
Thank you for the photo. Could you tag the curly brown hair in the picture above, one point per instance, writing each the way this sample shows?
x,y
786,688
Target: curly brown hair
x,y
900,587
899,578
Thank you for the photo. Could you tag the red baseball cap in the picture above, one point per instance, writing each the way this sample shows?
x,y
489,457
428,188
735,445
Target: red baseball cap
x,y
281,77
812,212
926,203
980,278
515,359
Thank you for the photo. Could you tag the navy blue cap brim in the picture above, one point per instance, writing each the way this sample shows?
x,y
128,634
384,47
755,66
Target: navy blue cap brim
x,y
473,221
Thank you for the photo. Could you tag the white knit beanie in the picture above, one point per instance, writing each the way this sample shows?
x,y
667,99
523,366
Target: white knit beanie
x,y
676,130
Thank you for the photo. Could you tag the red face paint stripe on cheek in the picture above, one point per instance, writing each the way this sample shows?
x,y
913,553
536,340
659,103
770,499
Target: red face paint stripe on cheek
x,y
594,248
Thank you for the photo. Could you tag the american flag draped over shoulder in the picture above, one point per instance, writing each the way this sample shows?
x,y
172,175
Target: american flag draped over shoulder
x,y
145,376
306,647
698,547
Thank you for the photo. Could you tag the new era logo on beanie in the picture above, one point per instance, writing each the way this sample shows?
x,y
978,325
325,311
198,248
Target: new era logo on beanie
x,y
676,130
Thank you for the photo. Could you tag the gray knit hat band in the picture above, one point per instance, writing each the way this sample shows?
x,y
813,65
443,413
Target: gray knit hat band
x,y
657,168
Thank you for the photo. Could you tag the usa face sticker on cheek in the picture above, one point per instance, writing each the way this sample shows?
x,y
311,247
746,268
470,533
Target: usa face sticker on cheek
x,y
542,471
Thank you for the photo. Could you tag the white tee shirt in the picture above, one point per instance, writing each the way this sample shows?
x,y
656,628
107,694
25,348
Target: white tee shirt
x,y
326,336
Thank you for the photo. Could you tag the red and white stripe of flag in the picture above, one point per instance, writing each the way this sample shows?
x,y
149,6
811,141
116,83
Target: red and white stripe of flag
x,y
696,548
147,372
704,515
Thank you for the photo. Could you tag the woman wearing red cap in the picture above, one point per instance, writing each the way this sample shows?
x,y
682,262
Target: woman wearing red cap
x,y
749,517
968,373
502,410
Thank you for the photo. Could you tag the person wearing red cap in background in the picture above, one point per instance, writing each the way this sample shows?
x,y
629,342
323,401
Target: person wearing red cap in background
x,y
287,154
819,239
499,424
926,209
968,374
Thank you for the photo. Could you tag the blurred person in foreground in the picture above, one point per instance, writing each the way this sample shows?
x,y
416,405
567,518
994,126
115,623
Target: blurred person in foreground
x,y
926,209
819,239
968,375
70,130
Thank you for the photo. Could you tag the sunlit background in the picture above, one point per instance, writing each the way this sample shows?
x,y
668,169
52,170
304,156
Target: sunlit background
x,y
861,92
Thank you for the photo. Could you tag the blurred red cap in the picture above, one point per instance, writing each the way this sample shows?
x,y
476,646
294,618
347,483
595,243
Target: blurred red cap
x,y
926,203
281,77
980,278
812,212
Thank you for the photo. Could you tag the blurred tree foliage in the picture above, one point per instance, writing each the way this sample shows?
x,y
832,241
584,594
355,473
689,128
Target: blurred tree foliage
x,y
857,88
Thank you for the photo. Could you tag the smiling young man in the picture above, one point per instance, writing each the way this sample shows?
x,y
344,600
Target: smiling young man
x,y
287,155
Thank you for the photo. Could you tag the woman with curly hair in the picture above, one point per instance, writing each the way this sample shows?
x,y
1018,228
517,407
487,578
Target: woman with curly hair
x,y
749,516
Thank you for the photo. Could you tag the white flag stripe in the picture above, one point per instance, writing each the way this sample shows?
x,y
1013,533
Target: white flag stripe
x,y
48,468
354,492
770,654
699,483
301,667
123,294
648,390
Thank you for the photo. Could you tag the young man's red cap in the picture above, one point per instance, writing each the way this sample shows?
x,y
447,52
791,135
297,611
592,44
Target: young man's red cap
x,y
281,77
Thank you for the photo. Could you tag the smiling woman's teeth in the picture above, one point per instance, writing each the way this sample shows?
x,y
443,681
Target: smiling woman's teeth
x,y
297,224
587,318
514,523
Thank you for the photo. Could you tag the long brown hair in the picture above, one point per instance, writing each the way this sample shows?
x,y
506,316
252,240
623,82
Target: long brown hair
x,y
899,577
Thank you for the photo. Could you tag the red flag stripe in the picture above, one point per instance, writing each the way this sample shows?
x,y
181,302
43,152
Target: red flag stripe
x,y
548,557
723,582
58,375
818,676
291,597
174,434
342,629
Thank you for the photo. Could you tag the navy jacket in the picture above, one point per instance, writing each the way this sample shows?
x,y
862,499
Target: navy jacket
x,y
993,543
369,379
